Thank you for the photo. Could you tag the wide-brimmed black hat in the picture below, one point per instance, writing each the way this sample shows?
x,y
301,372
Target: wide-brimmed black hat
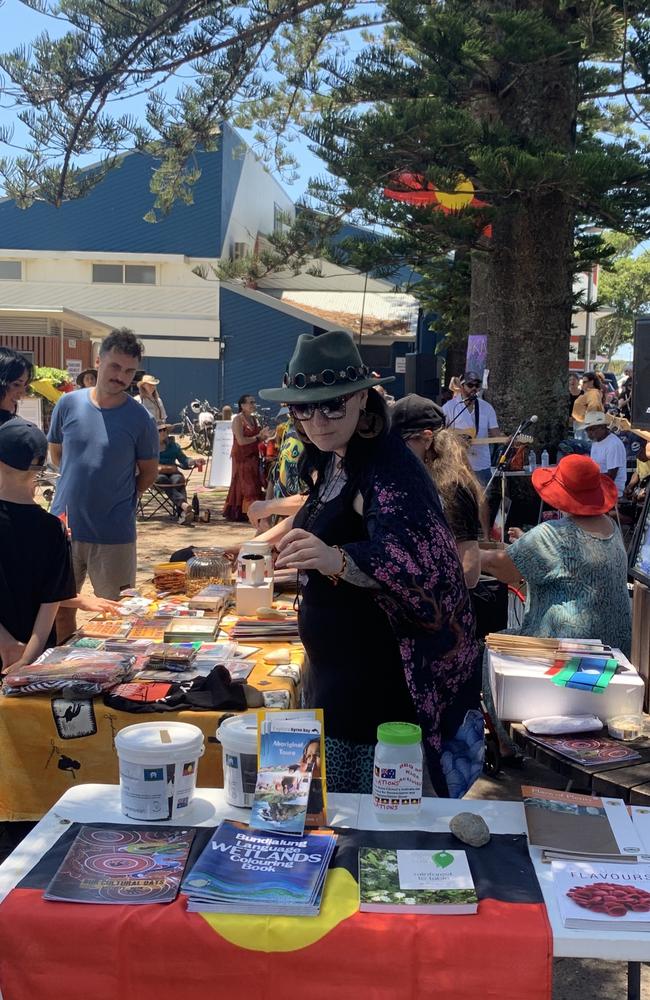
x,y
86,371
323,367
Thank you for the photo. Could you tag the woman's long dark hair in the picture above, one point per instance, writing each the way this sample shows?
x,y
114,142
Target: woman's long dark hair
x,y
12,367
360,451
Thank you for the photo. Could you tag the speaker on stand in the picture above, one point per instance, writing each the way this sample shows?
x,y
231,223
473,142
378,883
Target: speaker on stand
x,y
641,374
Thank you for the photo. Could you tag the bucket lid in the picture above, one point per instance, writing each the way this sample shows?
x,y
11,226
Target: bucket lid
x,y
239,732
159,737
399,733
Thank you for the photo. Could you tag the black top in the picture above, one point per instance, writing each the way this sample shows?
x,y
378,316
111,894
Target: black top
x,y
35,566
6,415
462,513
355,671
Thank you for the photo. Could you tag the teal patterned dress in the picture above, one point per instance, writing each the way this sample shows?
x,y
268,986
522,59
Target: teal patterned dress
x,y
577,583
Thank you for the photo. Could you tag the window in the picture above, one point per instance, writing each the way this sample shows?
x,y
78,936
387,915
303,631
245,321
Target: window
x,y
281,220
139,274
11,270
120,274
109,274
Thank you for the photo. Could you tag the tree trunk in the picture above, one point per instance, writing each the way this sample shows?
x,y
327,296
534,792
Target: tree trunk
x,y
527,286
456,353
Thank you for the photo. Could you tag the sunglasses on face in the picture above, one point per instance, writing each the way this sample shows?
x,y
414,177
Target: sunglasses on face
x,y
473,385
332,409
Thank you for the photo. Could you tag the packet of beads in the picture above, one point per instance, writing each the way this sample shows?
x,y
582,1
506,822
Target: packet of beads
x,y
164,656
77,672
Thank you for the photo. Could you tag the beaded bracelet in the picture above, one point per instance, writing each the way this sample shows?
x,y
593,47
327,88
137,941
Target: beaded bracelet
x,y
335,577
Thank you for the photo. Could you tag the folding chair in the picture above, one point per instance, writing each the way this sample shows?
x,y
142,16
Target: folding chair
x,y
156,500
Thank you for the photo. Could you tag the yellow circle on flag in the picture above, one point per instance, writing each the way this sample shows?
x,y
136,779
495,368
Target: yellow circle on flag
x,y
266,933
460,197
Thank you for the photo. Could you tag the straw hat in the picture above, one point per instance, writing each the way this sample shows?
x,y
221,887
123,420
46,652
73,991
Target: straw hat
x,y
149,380
576,486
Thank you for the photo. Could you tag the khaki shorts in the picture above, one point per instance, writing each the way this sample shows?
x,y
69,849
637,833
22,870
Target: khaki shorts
x,y
111,568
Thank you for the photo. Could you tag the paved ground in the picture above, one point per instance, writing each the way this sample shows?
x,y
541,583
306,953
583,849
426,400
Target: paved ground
x,y
573,979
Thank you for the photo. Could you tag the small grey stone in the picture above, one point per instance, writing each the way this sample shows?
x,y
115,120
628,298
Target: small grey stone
x,y
471,829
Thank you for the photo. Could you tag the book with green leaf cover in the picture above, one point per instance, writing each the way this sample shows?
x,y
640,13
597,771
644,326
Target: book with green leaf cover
x,y
392,881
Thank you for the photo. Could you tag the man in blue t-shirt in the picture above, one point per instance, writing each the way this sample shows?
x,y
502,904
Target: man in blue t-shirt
x,y
106,446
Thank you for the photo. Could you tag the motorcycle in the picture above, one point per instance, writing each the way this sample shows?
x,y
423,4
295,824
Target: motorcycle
x,y
197,420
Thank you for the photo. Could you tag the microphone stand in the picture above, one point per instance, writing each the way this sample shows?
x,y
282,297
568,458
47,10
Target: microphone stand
x,y
500,471
470,399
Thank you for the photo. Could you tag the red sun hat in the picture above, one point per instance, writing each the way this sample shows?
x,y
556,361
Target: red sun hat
x,y
576,486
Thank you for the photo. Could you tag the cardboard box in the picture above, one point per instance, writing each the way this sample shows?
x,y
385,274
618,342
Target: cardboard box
x,y
521,690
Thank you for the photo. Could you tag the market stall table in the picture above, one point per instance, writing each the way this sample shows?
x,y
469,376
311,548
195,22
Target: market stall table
x,y
628,781
101,803
38,765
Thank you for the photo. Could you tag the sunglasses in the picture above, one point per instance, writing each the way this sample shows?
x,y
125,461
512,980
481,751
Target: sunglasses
x,y
472,385
332,409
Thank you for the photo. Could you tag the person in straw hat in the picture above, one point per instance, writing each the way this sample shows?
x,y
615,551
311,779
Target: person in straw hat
x,y
87,378
384,612
150,399
575,568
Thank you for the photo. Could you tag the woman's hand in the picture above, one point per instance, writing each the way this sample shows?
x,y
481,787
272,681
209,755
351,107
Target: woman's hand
x,y
301,550
514,534
257,511
100,605
10,651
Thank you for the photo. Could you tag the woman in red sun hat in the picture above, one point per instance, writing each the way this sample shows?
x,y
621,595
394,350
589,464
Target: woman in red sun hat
x,y
575,568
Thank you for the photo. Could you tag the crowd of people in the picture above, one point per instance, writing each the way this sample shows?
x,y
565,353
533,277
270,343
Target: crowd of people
x,y
378,506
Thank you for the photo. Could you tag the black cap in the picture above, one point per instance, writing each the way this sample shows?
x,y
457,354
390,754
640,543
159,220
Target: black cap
x,y
470,376
416,413
22,444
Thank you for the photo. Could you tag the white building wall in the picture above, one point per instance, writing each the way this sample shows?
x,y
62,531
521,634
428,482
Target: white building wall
x,y
253,207
180,307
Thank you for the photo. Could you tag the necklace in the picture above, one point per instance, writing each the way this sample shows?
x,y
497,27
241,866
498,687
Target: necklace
x,y
332,486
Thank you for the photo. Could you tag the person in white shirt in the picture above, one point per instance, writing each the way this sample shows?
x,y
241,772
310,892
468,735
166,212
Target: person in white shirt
x,y
607,450
469,411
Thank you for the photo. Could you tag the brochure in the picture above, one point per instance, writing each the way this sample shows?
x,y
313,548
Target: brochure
x,y
588,750
567,825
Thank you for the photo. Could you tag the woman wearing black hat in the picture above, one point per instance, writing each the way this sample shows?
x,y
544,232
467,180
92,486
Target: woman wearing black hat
x,y
421,423
384,615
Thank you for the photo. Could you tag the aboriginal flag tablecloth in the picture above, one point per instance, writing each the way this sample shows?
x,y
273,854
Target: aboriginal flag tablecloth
x,y
68,951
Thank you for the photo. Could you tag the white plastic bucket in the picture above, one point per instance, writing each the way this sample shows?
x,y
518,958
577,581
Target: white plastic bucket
x,y
158,764
238,737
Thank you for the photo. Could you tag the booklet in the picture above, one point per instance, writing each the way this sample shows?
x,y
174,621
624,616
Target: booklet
x,y
135,864
394,881
588,750
243,871
567,825
602,896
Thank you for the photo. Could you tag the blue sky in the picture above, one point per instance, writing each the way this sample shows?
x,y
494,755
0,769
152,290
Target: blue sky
x,y
19,25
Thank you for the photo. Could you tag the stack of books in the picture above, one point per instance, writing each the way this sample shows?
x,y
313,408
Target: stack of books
x,y
242,871
266,630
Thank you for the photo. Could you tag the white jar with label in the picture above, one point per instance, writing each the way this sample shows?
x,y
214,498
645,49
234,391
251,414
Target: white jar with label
x,y
397,773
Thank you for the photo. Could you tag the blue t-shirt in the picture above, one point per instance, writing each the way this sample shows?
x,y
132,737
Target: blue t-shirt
x,y
98,468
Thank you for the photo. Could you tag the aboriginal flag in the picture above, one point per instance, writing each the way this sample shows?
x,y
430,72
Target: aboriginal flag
x,y
74,951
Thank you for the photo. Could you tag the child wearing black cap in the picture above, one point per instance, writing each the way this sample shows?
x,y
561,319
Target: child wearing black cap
x,y
35,563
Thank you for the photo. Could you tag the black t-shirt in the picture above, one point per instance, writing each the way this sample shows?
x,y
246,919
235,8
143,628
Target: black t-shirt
x,y
6,415
35,566
462,513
